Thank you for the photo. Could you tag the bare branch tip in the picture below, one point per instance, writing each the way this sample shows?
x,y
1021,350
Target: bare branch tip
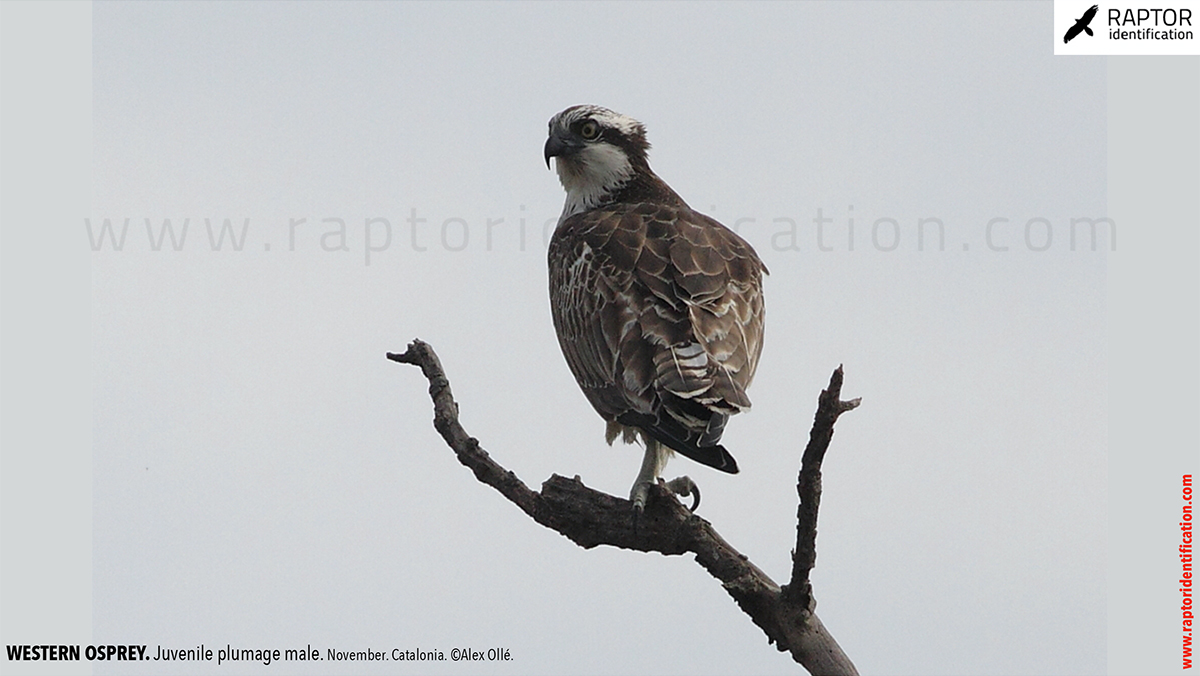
x,y
835,380
412,355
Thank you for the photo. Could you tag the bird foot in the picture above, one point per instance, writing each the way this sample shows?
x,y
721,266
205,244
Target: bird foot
x,y
639,494
682,486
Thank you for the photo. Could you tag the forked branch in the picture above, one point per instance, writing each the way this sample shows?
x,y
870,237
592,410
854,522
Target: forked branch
x,y
590,518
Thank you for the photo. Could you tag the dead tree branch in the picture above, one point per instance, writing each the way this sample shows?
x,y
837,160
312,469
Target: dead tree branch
x,y
589,518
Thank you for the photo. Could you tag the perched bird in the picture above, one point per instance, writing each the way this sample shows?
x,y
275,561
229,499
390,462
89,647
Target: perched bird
x,y
1081,25
658,308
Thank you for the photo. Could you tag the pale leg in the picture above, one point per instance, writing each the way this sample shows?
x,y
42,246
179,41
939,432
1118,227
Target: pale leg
x,y
653,463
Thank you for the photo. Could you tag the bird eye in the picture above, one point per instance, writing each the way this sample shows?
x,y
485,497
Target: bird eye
x,y
589,130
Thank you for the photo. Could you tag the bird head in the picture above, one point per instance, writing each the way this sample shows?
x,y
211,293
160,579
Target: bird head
x,y
596,152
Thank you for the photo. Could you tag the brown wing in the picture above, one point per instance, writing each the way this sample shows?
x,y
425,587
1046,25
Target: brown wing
x,y
658,311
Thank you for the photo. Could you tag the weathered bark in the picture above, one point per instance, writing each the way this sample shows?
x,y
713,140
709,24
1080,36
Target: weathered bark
x,y
590,518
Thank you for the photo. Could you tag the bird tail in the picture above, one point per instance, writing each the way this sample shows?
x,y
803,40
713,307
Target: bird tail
x,y
670,432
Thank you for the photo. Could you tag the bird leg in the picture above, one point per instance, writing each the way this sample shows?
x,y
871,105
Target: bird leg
x,y
652,466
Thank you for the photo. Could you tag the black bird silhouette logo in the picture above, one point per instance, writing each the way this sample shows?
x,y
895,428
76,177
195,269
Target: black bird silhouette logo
x,y
1081,26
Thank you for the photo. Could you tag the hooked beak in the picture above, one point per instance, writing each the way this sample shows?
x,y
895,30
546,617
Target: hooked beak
x,y
560,144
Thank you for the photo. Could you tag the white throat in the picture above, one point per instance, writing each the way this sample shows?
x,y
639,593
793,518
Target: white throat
x,y
590,176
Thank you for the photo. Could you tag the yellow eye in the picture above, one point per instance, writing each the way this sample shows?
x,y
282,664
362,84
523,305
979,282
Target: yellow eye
x,y
589,130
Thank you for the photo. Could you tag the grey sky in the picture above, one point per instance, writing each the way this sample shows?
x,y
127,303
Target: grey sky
x,y
263,477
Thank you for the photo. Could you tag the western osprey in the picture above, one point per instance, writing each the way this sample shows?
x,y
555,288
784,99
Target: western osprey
x,y
658,308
